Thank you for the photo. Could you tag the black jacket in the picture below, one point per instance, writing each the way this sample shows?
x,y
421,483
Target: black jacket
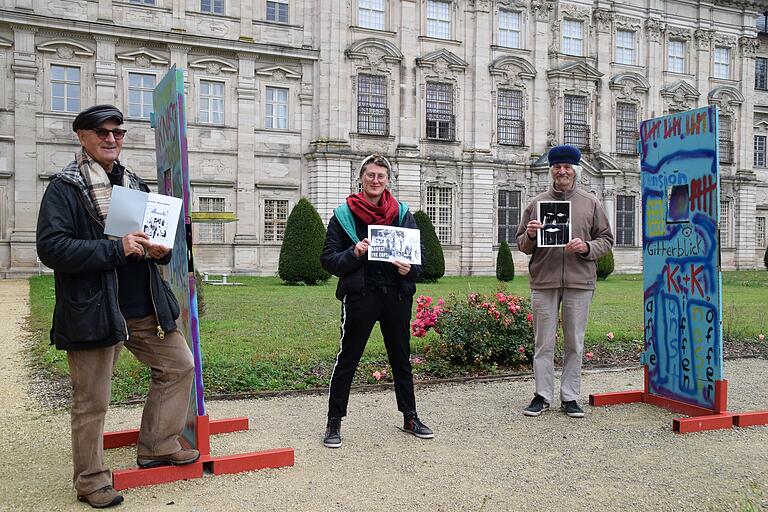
x,y
339,259
71,241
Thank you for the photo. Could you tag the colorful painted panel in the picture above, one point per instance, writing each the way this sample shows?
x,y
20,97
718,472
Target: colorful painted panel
x,y
170,126
681,253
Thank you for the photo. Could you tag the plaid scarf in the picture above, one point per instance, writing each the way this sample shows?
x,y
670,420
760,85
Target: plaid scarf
x,y
97,183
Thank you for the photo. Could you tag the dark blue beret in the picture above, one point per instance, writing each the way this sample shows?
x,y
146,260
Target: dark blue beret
x,y
93,117
564,155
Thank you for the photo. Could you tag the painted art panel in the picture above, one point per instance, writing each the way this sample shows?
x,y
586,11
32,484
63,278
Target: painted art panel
x,y
169,122
681,255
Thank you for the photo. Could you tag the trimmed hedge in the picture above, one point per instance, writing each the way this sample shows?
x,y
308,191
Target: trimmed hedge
x,y
435,267
505,265
302,246
605,265
765,258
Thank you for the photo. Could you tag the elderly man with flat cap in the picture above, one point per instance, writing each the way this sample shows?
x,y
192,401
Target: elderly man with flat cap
x,y
563,277
110,293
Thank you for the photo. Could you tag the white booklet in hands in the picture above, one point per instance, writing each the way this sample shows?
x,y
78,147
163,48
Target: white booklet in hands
x,y
390,243
156,215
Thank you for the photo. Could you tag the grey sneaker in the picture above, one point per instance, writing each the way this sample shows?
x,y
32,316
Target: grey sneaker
x,y
572,409
538,406
332,437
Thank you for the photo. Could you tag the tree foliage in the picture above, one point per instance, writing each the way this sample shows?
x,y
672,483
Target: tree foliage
x,y
605,265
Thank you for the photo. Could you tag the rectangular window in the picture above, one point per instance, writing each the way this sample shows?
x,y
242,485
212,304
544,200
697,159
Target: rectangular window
x,y
372,111
145,2
509,215
625,220
676,56
625,47
439,209
576,126
441,123
759,158
276,108
573,37
511,126
211,102
725,140
626,128
211,231
509,29
140,87
760,235
725,212
65,89
761,73
277,11
438,19
275,218
212,6
370,14
722,62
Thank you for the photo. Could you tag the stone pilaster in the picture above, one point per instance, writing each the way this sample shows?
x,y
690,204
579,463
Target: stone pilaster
x,y
744,219
24,70
105,11
106,73
476,220
409,177
329,182
609,196
245,192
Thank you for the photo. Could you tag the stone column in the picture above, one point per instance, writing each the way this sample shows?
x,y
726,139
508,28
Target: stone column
x,y
106,73
329,182
654,65
478,112
25,203
543,112
246,204
178,21
609,196
408,34
603,128
105,11
246,21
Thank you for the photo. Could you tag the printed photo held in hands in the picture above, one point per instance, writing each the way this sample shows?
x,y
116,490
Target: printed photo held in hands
x,y
157,215
392,243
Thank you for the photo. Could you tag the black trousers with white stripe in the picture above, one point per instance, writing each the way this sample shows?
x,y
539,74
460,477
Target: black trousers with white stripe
x,y
359,313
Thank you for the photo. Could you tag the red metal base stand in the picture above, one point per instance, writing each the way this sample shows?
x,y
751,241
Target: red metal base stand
x,y
700,418
127,478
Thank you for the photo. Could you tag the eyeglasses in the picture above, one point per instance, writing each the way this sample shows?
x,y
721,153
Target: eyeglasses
x,y
103,133
370,176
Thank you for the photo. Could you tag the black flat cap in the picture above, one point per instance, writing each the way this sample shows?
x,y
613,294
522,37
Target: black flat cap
x,y
93,117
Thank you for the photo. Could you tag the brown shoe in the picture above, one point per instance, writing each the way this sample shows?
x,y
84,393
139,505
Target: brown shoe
x,y
180,458
105,497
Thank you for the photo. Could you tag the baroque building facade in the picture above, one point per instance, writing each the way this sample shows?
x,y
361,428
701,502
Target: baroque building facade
x,y
285,97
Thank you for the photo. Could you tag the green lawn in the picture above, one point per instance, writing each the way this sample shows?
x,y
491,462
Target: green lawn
x,y
266,336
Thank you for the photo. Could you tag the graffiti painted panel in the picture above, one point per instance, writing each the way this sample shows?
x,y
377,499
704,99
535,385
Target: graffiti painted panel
x,y
170,126
681,274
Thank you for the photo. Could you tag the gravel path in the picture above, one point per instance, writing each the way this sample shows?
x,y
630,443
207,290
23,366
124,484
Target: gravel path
x,y
486,455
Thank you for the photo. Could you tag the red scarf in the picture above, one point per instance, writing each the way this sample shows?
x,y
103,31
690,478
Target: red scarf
x,y
384,213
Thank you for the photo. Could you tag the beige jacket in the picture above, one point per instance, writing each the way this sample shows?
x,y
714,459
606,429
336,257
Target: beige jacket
x,y
552,267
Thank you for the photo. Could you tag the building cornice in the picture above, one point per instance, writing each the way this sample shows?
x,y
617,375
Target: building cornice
x,y
142,35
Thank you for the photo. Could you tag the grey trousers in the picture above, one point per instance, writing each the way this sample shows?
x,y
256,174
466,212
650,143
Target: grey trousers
x,y
165,410
575,312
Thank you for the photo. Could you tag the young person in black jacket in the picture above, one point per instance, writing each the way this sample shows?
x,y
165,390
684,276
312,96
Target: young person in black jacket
x,y
371,291
109,293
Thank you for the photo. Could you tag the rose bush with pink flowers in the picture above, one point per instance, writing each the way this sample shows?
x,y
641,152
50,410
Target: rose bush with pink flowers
x,y
477,330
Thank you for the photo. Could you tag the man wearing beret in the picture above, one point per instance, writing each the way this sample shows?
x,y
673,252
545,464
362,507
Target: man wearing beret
x,y
563,277
110,293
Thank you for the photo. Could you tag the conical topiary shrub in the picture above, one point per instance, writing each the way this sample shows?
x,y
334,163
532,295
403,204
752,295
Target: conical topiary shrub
x,y
505,265
302,246
605,265
765,258
435,267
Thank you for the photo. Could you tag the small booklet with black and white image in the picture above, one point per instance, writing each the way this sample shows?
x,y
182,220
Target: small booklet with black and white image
x,y
131,210
555,217
390,243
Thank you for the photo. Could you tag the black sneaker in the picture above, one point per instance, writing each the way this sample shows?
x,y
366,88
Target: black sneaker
x,y
333,433
572,409
413,425
538,406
